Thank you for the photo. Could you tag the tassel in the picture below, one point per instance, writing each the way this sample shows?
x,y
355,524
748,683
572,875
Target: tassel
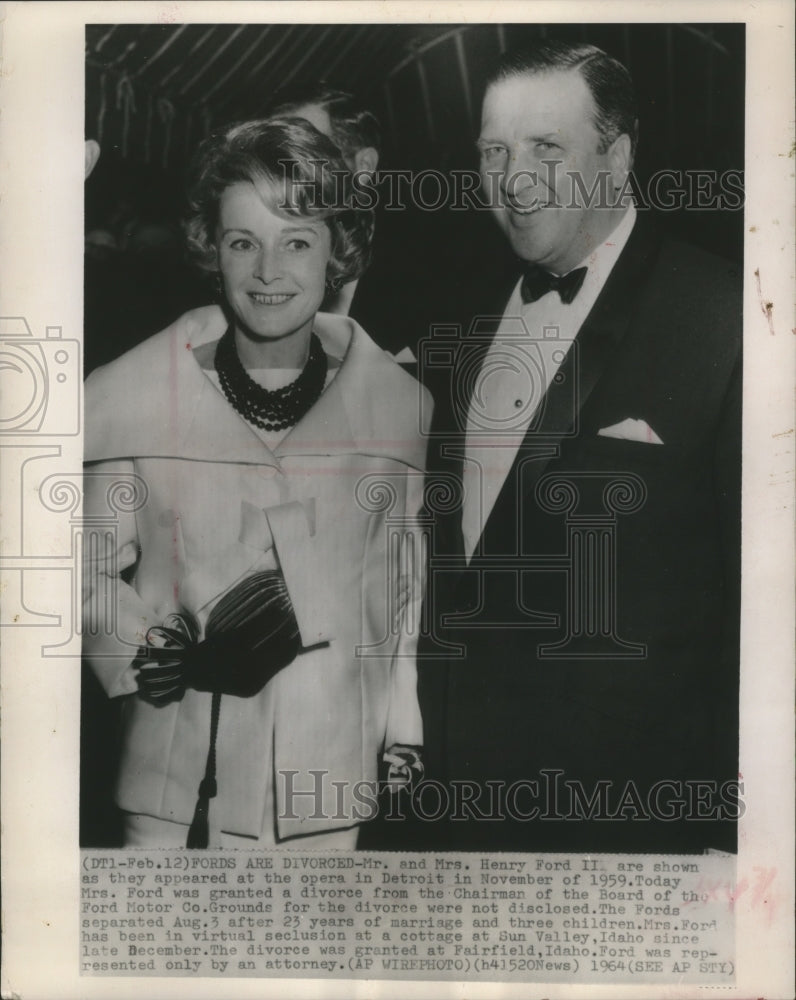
x,y
199,832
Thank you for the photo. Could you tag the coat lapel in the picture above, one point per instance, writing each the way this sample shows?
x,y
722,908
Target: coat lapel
x,y
216,429
372,407
176,412
585,363
156,402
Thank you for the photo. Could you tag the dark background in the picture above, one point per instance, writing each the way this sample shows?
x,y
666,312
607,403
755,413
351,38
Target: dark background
x,y
154,91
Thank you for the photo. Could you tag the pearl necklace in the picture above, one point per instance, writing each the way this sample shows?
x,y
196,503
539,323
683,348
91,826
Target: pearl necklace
x,y
270,409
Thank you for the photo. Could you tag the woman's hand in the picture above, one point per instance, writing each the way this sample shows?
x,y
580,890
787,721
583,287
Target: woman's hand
x,y
161,663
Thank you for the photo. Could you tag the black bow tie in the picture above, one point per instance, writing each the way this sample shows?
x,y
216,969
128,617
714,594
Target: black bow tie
x,y
537,282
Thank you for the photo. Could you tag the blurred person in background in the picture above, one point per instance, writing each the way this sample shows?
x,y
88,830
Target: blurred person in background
x,y
389,299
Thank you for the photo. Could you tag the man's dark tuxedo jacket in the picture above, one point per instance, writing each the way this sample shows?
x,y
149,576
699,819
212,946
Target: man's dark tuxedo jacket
x,y
661,344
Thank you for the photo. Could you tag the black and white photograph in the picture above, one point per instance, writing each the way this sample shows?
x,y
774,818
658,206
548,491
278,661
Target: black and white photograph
x,y
587,527
413,458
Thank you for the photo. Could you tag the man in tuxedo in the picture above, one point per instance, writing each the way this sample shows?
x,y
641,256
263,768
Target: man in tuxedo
x,y
579,667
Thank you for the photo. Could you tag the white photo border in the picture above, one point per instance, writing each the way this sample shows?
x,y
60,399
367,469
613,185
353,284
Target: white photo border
x,y
41,219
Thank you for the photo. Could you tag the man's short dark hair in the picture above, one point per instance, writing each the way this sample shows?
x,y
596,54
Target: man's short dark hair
x,y
607,79
353,126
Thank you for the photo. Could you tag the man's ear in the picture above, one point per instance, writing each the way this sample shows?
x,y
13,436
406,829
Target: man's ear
x,y
620,158
366,159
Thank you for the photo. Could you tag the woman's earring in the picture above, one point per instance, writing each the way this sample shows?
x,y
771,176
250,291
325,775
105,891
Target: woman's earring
x,y
333,285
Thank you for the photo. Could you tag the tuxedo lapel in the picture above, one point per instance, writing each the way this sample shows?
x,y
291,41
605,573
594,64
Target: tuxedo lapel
x,y
476,339
452,402
585,363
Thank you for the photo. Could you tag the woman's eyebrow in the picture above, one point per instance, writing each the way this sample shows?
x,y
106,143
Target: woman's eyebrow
x,y
300,229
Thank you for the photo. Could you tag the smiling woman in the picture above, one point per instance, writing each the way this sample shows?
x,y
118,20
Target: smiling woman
x,y
270,215
233,610
273,271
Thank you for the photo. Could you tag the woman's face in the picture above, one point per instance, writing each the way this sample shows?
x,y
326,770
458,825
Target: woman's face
x,y
273,267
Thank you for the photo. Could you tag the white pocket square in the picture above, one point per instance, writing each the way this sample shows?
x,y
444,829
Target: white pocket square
x,y
631,430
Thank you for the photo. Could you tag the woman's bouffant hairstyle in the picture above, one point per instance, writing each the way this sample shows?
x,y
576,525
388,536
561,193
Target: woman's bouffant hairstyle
x,y
299,172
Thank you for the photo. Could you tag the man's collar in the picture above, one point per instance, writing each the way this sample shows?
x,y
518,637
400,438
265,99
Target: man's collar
x,y
599,264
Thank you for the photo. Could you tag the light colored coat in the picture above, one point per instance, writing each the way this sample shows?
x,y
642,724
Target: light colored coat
x,y
220,504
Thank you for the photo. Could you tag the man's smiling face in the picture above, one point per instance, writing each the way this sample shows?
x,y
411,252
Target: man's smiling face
x,y
541,154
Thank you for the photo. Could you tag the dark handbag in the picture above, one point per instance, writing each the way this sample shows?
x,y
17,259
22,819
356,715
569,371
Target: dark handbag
x,y
251,634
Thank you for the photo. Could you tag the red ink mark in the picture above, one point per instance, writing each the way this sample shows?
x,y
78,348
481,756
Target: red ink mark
x,y
169,14
706,888
762,894
765,876
733,896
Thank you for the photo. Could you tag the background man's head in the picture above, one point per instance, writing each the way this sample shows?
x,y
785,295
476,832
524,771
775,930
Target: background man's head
x,y
354,130
558,135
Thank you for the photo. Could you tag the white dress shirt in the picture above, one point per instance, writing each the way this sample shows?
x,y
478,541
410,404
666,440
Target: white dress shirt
x,y
528,348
